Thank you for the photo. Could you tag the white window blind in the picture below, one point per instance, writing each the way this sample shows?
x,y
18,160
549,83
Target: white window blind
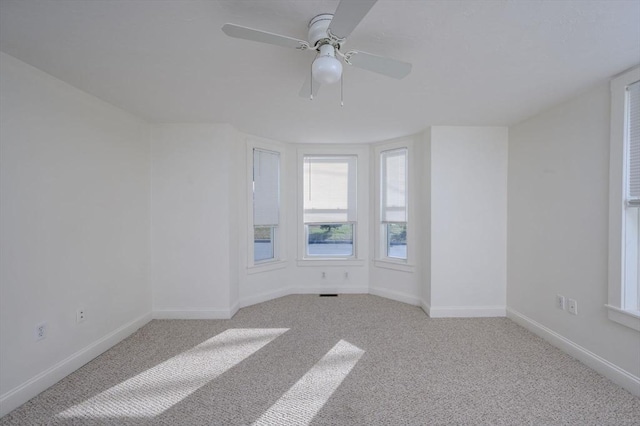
x,y
394,185
634,144
329,189
266,188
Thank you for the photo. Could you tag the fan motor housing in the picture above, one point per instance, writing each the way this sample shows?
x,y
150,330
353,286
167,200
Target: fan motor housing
x,y
318,29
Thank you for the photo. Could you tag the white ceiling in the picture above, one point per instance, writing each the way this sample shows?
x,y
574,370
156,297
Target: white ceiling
x,y
474,62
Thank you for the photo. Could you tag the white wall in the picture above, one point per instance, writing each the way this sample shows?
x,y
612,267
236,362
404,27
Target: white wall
x,y
74,219
558,230
468,221
424,189
193,227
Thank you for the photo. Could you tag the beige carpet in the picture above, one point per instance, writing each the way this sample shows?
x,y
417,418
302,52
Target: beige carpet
x,y
354,359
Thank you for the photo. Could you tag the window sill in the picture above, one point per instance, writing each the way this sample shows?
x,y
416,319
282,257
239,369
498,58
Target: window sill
x,y
331,262
395,265
630,319
266,266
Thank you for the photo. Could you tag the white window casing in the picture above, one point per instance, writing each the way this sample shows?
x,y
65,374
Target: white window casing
x,y
624,200
265,216
333,186
393,171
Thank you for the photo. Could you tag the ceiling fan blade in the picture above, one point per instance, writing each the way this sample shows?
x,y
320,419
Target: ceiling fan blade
x,y
348,15
379,64
245,33
306,88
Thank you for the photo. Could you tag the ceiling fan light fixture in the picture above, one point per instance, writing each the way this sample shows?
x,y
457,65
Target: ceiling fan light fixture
x,y
326,69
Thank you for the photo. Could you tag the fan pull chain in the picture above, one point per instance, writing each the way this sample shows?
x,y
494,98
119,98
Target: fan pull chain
x,y
342,89
311,83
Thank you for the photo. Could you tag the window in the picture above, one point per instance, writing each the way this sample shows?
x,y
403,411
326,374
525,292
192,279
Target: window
x,y
266,204
632,207
624,214
329,206
393,199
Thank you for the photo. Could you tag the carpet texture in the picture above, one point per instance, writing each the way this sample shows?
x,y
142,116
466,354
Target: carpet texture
x,y
347,360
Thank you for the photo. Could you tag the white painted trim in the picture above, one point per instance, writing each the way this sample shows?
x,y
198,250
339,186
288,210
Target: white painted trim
x,y
617,173
381,260
466,311
609,370
32,387
281,292
396,295
192,313
396,266
331,262
337,289
273,265
234,309
361,151
264,297
254,142
630,319
425,307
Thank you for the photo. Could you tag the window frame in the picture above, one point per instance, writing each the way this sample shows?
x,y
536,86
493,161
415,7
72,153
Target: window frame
x,y
381,258
619,213
279,232
360,225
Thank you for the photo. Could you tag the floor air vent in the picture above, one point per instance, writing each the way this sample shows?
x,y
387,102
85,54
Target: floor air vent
x,y
328,295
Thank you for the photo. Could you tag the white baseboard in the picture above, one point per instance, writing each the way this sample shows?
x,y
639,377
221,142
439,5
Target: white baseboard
x,y
609,370
264,297
466,311
337,289
425,307
395,295
32,387
192,313
234,309
281,292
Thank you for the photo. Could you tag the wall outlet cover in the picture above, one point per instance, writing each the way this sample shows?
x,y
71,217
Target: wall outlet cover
x,y
41,331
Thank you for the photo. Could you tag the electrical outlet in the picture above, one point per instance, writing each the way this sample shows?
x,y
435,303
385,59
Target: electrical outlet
x,y
81,315
573,307
41,331
560,301
324,275
346,275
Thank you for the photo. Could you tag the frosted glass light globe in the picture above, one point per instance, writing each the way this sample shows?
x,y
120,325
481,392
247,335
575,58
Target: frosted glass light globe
x,y
326,69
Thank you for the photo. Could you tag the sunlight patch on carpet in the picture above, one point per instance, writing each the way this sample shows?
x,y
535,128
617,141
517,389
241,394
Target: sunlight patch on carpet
x,y
304,399
153,391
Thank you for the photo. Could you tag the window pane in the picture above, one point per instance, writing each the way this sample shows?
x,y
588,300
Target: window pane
x,y
330,240
394,185
397,240
329,189
634,142
262,243
266,187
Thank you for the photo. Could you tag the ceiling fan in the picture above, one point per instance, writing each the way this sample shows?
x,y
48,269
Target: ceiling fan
x,y
327,35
